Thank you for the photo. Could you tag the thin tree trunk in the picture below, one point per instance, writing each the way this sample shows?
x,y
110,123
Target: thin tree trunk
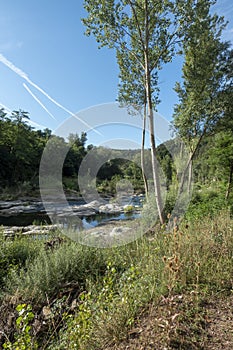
x,y
229,182
143,153
155,169
190,176
190,160
188,168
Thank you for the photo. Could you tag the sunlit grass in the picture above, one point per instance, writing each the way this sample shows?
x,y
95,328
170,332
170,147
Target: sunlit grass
x,y
115,284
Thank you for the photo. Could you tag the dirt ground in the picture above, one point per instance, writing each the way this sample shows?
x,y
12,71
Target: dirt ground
x,y
177,323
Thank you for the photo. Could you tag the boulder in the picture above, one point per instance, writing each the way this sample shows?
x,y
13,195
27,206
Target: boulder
x,y
111,208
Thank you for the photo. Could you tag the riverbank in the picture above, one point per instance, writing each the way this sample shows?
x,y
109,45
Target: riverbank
x,y
162,291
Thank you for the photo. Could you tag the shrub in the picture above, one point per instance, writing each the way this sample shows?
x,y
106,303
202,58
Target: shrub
x,y
129,209
15,254
51,269
23,338
116,284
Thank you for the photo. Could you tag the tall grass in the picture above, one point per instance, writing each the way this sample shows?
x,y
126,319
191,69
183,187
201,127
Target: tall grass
x,y
197,258
116,284
14,254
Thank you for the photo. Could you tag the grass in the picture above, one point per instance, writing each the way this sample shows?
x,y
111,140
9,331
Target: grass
x,y
97,297
15,254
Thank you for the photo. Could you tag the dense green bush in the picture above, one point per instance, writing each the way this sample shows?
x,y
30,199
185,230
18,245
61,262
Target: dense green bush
x,y
206,202
50,270
15,253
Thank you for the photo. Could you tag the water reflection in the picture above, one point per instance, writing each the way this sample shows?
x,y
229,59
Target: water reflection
x,y
77,221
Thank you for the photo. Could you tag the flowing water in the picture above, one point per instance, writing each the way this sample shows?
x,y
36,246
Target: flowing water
x,y
25,219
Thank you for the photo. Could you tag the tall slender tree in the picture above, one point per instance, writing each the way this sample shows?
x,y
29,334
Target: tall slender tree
x,y
142,31
204,79
132,94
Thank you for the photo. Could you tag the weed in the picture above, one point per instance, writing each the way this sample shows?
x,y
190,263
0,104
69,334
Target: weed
x,y
116,284
23,338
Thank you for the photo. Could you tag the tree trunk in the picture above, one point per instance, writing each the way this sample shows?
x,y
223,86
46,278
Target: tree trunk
x,y
188,168
229,182
155,170
189,163
190,176
143,153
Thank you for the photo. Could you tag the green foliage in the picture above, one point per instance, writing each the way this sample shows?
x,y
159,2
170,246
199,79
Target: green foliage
x,y
129,209
14,255
71,183
197,258
20,148
108,309
115,284
23,338
204,76
207,83
144,36
206,202
207,250
51,270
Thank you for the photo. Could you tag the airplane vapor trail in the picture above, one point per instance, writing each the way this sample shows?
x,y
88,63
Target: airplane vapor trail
x,y
38,101
62,107
8,110
23,75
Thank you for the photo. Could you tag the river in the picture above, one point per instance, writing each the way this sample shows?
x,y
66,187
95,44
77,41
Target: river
x,y
21,213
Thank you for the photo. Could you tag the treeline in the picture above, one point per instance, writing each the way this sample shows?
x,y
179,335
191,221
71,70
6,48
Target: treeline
x,y
21,149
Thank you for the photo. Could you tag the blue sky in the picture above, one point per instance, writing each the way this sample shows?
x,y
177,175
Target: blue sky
x,y
45,59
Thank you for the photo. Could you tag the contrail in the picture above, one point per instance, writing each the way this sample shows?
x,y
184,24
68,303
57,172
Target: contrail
x,y
29,121
36,124
37,100
62,107
10,65
23,75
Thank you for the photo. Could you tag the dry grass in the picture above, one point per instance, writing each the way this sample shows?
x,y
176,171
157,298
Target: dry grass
x,y
155,293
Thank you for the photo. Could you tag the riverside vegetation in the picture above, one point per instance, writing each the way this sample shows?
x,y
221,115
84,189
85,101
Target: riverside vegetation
x,y
170,290
165,290
159,291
